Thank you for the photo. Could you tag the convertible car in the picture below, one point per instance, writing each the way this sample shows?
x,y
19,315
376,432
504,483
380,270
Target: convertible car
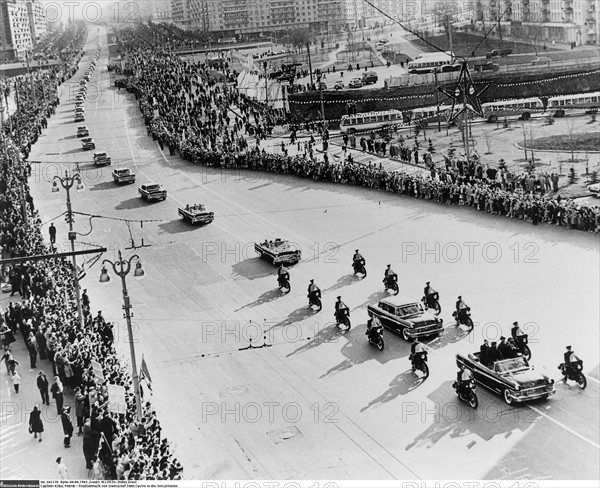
x,y
196,214
407,318
278,252
511,378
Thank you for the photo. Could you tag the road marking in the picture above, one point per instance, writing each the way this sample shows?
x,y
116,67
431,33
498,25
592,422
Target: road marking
x,y
565,427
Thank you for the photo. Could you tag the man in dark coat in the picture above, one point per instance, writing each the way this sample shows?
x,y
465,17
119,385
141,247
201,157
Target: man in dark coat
x,y
483,352
67,425
504,349
492,355
36,425
90,444
42,384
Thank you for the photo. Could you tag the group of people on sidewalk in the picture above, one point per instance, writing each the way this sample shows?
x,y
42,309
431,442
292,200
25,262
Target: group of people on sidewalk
x,y
115,445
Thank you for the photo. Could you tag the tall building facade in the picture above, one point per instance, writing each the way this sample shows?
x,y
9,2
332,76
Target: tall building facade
x,y
569,21
22,24
247,17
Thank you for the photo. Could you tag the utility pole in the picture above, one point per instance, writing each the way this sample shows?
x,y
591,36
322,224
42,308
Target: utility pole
x,y
309,64
266,85
437,99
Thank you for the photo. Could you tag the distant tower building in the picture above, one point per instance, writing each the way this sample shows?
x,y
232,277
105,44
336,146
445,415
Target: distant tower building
x,y
15,29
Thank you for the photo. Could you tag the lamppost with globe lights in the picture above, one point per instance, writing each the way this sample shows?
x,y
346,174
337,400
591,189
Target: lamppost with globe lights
x,y
121,268
67,183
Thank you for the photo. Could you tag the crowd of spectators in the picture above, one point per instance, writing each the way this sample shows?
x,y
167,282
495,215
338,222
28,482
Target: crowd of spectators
x,y
209,123
116,445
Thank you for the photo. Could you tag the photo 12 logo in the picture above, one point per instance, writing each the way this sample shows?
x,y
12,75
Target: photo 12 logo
x,y
470,252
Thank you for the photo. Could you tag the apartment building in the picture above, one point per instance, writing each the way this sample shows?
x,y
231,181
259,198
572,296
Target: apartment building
x,y
567,21
258,17
22,23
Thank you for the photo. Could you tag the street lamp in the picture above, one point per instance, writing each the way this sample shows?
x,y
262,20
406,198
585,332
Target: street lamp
x,y
67,183
121,268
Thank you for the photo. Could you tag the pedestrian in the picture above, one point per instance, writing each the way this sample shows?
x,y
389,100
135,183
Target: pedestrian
x,y
67,425
52,232
36,425
79,408
42,384
57,393
90,443
63,473
16,381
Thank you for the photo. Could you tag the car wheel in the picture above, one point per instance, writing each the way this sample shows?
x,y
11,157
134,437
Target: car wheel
x,y
405,335
507,398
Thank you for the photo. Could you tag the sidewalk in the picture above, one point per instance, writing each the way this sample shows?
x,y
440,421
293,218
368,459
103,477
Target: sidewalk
x,y
23,457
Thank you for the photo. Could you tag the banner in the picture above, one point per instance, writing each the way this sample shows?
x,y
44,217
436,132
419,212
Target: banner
x,y
116,399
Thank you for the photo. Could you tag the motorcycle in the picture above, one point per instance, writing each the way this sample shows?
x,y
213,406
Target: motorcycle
x,y
466,392
419,361
359,267
432,302
375,337
464,317
391,283
343,318
521,345
314,299
284,282
574,372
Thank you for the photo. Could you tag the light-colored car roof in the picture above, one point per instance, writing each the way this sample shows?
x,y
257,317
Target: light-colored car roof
x,y
398,300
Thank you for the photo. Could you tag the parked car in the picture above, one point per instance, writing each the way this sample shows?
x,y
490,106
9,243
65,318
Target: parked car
x,y
102,159
489,66
498,52
369,78
355,83
409,319
339,85
594,189
88,143
514,379
541,60
82,131
447,68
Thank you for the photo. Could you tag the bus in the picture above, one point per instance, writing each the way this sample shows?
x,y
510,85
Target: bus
x,y
521,108
429,114
578,104
371,121
428,63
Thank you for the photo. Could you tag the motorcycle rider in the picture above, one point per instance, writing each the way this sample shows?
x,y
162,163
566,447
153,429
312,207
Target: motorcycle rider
x,y
416,348
313,291
461,308
357,260
389,275
516,332
430,294
341,309
374,328
282,273
463,378
569,358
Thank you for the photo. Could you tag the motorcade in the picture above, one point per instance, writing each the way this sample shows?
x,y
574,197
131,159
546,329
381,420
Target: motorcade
x,y
152,192
279,251
196,214
355,83
82,131
79,117
574,372
123,175
369,78
409,319
88,143
464,318
102,159
513,379
339,85
466,392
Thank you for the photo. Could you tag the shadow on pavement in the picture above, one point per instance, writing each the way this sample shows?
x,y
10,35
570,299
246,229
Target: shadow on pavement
x,y
105,185
401,385
343,282
176,226
253,269
266,297
131,203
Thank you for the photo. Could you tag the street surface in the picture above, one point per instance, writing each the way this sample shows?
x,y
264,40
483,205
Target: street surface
x,y
317,403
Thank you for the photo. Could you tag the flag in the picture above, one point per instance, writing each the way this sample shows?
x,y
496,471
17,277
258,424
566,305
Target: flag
x,y
145,374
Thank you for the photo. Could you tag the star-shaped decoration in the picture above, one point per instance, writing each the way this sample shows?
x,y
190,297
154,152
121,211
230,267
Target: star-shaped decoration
x,y
465,94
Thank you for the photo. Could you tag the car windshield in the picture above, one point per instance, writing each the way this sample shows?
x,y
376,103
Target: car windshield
x,y
409,309
509,365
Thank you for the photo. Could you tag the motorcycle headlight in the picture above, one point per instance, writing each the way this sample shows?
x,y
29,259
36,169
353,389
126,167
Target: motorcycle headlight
x,y
551,381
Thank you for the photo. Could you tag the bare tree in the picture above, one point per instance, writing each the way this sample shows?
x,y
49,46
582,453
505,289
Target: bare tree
x,y
570,128
488,141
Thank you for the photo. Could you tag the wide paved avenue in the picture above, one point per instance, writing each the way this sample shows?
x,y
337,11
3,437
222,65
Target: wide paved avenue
x,y
318,403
